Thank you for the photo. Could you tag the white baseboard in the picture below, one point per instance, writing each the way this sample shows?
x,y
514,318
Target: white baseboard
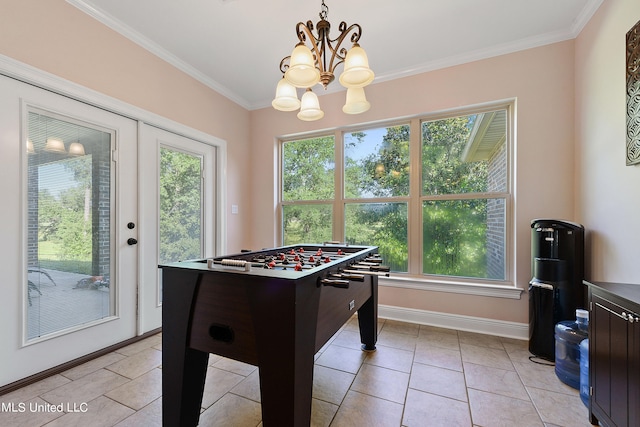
x,y
456,321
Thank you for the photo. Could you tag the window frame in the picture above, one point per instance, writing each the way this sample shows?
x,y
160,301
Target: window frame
x,y
414,278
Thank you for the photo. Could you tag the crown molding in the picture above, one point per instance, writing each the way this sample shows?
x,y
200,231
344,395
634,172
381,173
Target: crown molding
x,y
517,45
158,51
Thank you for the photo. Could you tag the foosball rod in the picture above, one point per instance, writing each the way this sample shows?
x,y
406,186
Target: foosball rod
x,y
370,273
371,267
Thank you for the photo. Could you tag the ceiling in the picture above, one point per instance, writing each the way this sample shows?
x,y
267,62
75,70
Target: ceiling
x,y
235,46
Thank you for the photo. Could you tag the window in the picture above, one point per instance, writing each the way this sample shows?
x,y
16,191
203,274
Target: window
x,y
308,190
376,187
464,195
433,193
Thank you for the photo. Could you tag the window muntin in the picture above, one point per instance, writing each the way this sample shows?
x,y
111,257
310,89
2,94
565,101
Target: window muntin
x,y
433,194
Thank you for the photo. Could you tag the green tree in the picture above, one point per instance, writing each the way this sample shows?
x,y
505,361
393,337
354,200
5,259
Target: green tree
x,y
180,206
443,169
384,172
454,231
49,215
308,175
308,167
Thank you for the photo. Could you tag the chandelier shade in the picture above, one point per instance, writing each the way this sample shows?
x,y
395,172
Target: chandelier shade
x,y
314,60
356,101
286,97
310,107
356,69
55,145
76,149
302,71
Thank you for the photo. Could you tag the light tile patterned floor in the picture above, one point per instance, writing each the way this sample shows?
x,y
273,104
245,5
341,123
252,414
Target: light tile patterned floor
x,y
419,376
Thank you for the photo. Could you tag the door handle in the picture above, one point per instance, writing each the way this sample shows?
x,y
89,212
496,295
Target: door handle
x,y
131,241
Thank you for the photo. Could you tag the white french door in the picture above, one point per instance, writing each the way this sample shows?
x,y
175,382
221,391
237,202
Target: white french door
x,y
68,257
177,210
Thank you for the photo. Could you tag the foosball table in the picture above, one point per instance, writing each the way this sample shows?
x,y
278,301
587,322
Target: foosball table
x,y
274,309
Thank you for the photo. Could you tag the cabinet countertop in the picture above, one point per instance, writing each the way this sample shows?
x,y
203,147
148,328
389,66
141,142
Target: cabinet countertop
x,y
627,291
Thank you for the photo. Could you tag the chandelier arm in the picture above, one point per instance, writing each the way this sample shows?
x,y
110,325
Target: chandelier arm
x,y
341,53
304,32
284,64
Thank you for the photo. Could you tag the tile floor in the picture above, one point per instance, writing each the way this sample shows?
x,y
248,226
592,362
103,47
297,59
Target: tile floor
x,y
419,376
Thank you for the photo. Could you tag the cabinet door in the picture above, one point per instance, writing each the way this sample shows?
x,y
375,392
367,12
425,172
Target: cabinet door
x,y
609,360
634,369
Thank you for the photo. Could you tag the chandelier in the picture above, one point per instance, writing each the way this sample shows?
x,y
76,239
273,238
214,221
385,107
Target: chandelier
x,y
309,65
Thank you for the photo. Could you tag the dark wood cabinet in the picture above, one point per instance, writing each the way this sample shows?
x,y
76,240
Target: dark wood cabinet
x,y
614,353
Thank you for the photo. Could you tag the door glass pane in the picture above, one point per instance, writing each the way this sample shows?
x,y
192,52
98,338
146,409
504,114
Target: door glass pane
x,y
383,225
69,219
180,206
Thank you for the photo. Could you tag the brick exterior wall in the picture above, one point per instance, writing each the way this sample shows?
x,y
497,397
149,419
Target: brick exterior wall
x,y
101,209
496,214
32,213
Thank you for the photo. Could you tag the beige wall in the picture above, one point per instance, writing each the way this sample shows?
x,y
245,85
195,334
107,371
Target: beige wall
x,y
607,191
60,39
540,79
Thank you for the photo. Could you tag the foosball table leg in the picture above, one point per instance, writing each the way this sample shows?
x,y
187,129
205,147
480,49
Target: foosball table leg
x,y
368,319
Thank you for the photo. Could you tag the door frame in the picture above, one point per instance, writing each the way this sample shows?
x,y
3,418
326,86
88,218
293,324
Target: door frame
x,y
30,75
151,140
29,354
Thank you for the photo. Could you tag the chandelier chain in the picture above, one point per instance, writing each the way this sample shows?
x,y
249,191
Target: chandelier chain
x,y
324,12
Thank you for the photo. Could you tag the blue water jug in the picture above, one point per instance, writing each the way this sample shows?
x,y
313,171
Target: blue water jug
x,y
584,371
568,335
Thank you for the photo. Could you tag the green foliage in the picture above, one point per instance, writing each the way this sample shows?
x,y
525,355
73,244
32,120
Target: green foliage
x,y
49,216
180,206
454,238
386,172
307,224
443,170
454,232
383,225
308,174
74,235
308,169
65,221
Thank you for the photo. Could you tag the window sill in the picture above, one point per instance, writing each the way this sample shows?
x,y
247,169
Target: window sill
x,y
481,289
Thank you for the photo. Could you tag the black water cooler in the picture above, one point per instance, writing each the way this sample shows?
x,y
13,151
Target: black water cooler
x,y
556,289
